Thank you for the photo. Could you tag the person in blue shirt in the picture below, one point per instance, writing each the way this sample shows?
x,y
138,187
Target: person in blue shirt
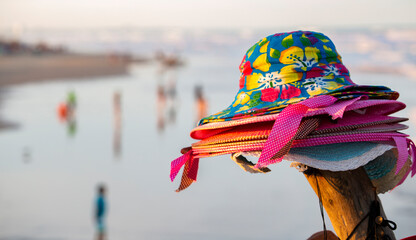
x,y
100,212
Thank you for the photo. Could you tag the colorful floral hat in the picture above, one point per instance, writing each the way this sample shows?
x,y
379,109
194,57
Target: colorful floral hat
x,y
286,68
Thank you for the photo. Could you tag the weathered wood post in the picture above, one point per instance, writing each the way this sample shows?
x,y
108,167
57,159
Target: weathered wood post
x,y
346,197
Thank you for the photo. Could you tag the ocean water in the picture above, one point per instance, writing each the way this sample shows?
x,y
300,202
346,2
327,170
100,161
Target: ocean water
x,y
49,171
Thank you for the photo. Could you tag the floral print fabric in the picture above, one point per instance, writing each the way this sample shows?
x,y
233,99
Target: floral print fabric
x,y
286,68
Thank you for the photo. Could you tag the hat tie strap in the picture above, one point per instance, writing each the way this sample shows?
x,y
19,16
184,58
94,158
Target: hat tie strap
x,y
190,170
412,153
177,164
410,146
288,121
402,157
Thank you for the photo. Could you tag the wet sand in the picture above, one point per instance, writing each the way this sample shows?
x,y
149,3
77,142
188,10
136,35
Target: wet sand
x,y
34,68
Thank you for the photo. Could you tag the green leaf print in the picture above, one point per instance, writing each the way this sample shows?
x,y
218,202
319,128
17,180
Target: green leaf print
x,y
254,101
274,53
287,41
305,41
322,38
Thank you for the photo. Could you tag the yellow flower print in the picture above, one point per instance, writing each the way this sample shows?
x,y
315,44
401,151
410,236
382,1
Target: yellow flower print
x,y
252,81
272,79
261,63
242,98
263,48
295,99
300,58
246,107
289,74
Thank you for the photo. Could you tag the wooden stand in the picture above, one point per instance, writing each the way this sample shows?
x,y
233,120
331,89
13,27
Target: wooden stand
x,y
347,197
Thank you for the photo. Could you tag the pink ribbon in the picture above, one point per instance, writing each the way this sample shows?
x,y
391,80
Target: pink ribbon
x,y
288,121
412,153
405,143
362,137
178,163
401,145
337,110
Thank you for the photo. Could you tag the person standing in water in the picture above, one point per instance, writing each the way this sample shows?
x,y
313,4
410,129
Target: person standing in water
x,y
200,102
117,124
100,212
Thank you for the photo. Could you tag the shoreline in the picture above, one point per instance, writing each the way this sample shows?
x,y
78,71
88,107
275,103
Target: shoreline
x,y
20,69
30,68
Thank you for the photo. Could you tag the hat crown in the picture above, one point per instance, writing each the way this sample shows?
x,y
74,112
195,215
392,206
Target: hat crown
x,y
284,53
283,69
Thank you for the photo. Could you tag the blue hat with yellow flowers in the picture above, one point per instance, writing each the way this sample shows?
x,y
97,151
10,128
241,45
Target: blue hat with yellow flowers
x,y
287,68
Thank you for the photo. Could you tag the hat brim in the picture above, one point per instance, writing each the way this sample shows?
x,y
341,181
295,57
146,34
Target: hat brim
x,y
381,107
252,137
266,108
338,156
379,161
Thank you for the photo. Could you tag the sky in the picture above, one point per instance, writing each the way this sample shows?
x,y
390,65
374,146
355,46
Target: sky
x,y
204,14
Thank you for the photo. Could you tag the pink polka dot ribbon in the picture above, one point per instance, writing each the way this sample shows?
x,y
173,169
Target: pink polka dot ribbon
x,y
288,121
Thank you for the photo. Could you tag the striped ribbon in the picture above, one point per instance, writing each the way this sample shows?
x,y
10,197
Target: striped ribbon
x,y
190,170
412,153
401,143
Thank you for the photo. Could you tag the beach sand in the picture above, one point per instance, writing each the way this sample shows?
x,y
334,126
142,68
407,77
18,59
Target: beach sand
x,y
20,69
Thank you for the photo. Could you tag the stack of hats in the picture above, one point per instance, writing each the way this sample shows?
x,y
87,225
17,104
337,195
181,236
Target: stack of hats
x,y
296,102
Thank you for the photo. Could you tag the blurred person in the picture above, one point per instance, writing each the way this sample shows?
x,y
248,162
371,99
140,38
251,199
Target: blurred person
x,y
100,211
71,125
71,99
117,123
71,104
161,105
62,112
201,103
66,113
27,154
171,97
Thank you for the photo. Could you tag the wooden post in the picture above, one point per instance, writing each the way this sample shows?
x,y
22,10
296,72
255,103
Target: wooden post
x,y
346,197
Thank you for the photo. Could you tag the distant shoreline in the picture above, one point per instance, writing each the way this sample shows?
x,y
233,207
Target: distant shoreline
x,y
30,68
18,69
